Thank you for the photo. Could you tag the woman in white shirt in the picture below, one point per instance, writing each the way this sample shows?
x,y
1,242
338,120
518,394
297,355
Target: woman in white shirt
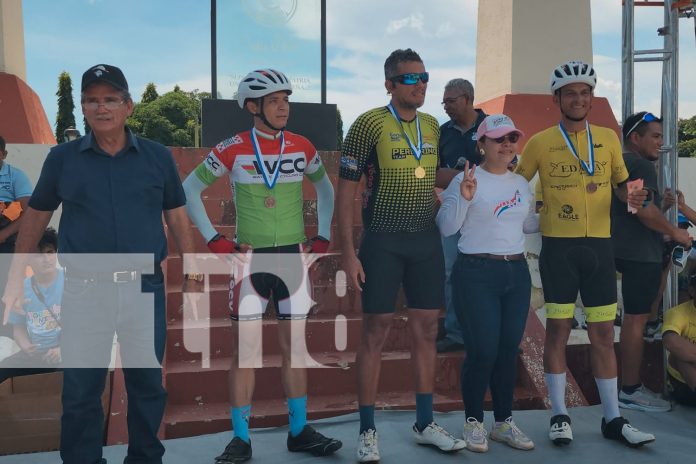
x,y
491,286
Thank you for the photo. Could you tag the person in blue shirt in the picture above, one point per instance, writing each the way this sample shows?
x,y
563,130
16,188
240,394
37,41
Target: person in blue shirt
x,y
37,332
15,190
14,187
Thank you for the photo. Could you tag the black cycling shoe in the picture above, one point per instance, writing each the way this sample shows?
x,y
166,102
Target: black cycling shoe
x,y
311,441
236,451
620,430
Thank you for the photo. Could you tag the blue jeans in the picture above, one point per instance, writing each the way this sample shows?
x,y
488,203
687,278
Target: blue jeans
x,y
82,421
453,330
491,298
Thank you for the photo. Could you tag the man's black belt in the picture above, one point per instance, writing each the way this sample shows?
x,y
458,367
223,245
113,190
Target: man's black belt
x,y
515,257
115,277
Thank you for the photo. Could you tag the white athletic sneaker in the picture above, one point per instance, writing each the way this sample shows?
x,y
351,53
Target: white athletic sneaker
x,y
434,435
507,432
474,435
619,429
368,450
560,432
643,400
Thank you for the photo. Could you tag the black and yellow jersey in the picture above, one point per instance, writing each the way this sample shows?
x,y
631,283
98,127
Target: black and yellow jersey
x,y
573,207
395,200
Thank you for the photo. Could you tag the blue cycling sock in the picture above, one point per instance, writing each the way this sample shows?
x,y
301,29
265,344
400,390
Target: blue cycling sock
x,y
424,410
297,411
240,422
367,417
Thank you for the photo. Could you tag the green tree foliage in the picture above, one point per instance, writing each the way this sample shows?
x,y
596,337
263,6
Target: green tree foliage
x,y
150,94
171,119
66,107
686,148
339,130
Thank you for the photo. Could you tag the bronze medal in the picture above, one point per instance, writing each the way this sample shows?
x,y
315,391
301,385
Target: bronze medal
x,y
591,187
420,172
269,202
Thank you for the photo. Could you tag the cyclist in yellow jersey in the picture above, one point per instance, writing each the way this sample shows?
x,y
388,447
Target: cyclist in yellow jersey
x,y
579,164
679,337
396,148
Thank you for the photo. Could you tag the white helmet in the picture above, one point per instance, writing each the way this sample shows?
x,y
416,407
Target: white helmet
x,y
260,83
572,72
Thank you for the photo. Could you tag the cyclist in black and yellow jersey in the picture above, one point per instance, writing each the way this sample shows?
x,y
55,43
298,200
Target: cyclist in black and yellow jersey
x,y
579,165
396,148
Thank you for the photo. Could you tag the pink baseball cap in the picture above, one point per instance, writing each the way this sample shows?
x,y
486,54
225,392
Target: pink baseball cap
x,y
496,125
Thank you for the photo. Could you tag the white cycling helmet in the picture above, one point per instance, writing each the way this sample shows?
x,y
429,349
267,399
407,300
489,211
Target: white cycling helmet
x,y
572,72
260,83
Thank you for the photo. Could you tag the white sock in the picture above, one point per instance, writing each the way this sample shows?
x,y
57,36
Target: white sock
x,y
609,396
556,384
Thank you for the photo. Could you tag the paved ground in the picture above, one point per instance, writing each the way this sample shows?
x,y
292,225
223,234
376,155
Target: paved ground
x,y
674,431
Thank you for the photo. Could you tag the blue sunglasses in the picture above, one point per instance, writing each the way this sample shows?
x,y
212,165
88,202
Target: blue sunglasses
x,y
647,117
411,78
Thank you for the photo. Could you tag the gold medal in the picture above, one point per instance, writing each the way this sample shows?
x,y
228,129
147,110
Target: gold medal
x,y
591,187
420,172
269,202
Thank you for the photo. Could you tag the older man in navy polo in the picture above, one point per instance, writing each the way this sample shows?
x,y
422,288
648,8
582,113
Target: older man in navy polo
x,y
114,188
457,146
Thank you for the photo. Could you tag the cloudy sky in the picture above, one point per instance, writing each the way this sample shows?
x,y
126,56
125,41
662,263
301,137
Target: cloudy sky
x,y
168,42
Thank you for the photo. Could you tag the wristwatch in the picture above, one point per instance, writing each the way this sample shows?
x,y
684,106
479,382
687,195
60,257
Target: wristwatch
x,y
196,277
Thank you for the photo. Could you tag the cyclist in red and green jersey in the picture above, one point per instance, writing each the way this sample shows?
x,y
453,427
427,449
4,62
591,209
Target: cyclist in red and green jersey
x,y
266,166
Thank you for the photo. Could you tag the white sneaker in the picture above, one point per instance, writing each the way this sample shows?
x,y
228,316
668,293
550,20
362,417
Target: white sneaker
x,y
507,432
368,451
434,435
643,400
474,436
619,429
560,432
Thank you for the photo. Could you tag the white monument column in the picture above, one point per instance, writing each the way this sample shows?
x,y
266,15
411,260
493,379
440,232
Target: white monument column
x,y
12,59
519,42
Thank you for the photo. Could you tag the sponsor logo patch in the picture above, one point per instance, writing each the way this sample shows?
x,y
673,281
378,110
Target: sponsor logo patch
x,y
567,213
228,142
349,162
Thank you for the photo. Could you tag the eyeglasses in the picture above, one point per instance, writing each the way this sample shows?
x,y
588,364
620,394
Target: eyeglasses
x,y
449,101
512,138
411,78
647,117
109,104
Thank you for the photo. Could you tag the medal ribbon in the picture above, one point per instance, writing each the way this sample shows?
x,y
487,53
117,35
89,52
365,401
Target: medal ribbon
x,y
270,183
417,152
589,167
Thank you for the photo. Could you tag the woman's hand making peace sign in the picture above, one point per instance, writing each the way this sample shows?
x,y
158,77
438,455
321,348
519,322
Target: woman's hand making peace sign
x,y
468,186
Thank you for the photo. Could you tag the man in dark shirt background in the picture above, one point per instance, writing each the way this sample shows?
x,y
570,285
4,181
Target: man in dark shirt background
x,y
638,251
457,146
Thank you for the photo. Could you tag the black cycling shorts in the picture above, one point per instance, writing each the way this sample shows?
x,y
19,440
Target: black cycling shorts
x,y
278,277
583,264
393,259
640,284
680,392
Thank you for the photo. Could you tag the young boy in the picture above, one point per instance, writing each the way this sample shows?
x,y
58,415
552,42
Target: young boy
x,y
37,332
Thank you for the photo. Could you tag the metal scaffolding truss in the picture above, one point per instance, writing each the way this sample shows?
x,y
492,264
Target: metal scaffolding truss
x,y
669,56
